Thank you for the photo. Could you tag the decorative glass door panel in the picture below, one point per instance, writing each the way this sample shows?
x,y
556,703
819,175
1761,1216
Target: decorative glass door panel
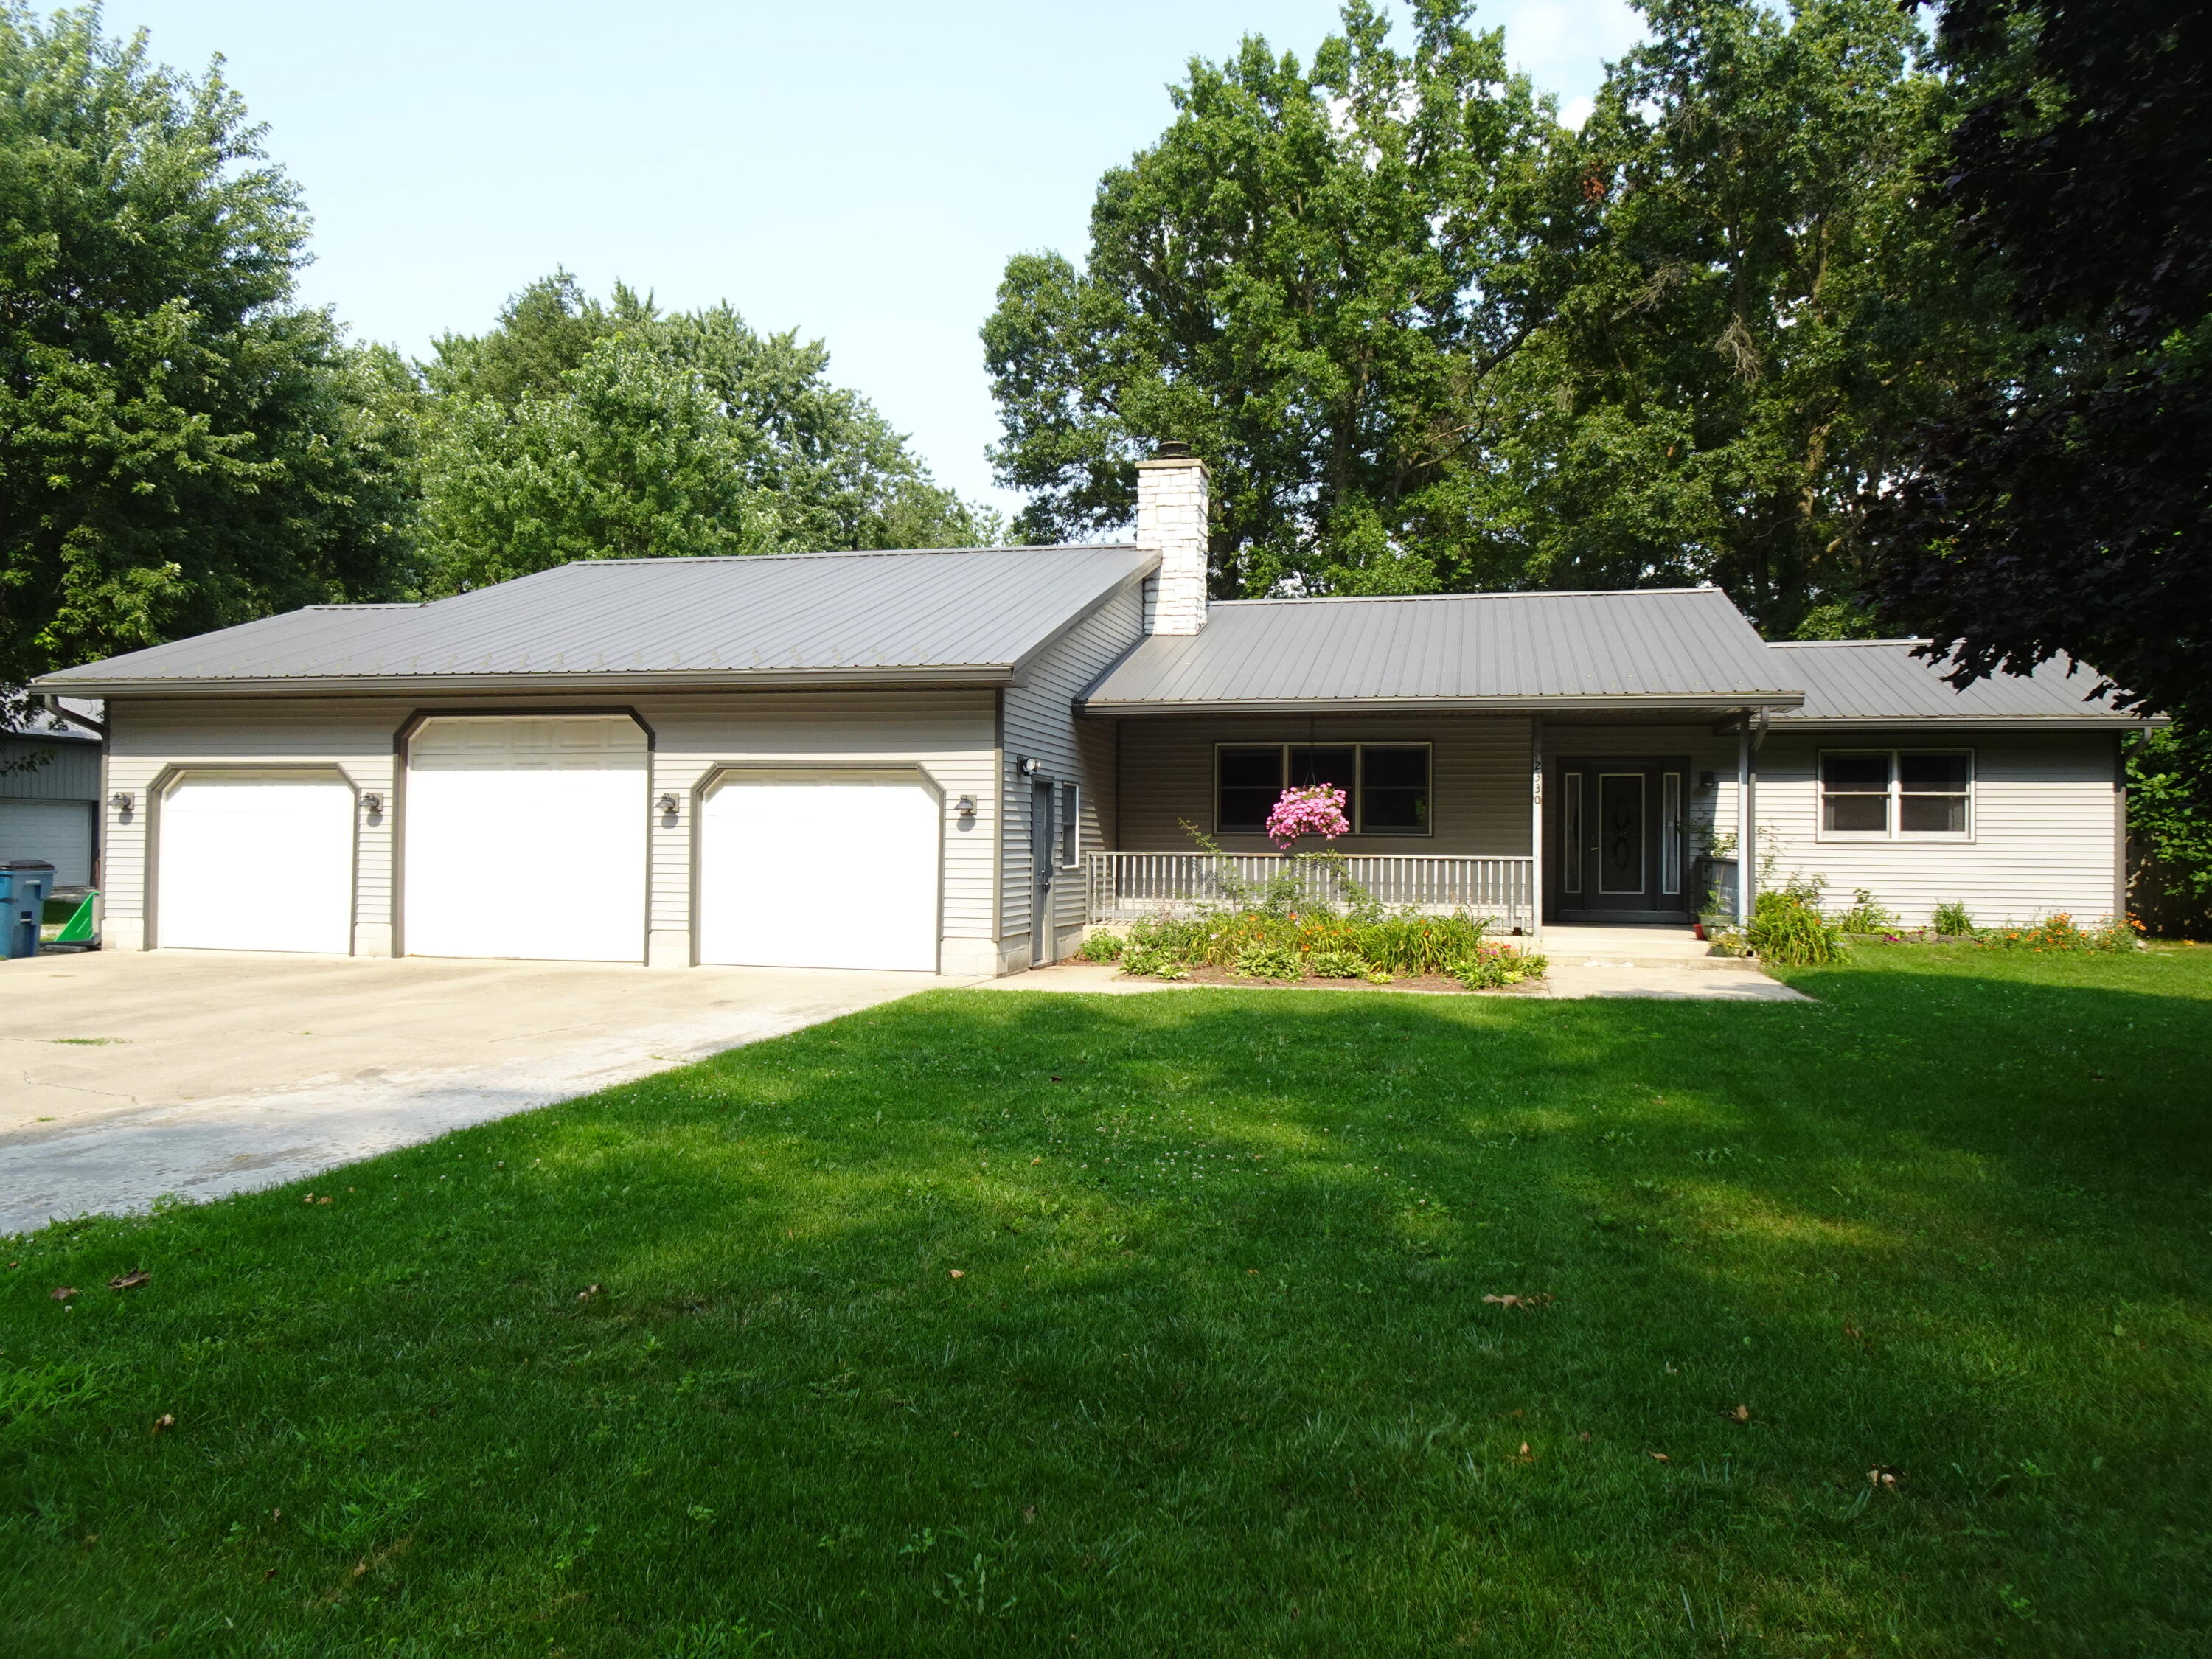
x,y
1622,838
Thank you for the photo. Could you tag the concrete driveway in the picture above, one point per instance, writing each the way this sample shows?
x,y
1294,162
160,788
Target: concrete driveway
x,y
127,1075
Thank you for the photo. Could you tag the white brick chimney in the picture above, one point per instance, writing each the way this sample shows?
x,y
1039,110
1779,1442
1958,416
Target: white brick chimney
x,y
1171,517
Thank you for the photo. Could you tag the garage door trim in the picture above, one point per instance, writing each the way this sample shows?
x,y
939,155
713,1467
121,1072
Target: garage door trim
x,y
718,772
170,776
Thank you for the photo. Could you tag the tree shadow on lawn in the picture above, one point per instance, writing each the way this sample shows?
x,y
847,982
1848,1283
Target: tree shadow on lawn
x,y
1217,1370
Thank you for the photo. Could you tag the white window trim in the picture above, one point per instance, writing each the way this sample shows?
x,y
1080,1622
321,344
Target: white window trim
x,y
1358,802
1067,833
1896,831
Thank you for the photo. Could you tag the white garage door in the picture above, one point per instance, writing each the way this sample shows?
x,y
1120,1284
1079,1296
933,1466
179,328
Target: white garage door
x,y
254,863
58,831
526,837
835,871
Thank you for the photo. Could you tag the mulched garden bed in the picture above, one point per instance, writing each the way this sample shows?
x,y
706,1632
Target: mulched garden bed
x,y
1429,984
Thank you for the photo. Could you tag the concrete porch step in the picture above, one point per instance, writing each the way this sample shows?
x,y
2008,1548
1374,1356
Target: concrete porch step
x,y
1636,947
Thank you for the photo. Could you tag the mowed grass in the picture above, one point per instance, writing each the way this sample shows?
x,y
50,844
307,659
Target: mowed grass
x,y
1023,1324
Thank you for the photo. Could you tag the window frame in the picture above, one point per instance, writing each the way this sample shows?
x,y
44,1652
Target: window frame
x,y
1896,795
1067,825
1357,793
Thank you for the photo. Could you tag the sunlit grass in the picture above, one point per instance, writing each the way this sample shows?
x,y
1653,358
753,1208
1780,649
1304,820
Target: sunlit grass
x,y
990,1323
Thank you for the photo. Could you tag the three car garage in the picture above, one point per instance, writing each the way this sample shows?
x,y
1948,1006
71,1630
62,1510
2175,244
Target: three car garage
x,y
531,836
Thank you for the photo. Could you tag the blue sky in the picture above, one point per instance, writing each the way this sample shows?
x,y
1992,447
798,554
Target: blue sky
x,y
861,171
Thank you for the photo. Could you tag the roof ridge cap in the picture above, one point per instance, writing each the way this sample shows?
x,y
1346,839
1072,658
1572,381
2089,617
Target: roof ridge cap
x,y
1480,594
1799,645
841,553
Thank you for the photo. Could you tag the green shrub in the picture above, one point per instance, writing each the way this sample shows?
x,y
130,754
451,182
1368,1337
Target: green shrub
x,y
1150,961
1497,965
1102,947
1334,963
1787,931
1951,920
1263,960
1410,944
2059,932
1866,915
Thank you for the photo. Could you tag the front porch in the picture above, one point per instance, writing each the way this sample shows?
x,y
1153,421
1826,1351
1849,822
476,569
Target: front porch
x,y
1121,887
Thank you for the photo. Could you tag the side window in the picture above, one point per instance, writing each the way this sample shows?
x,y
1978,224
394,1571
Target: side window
x,y
1071,824
1249,780
1932,794
1393,789
1855,794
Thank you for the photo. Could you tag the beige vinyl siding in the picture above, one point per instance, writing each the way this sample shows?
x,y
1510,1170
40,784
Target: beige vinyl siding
x,y
1041,722
947,733
1477,778
70,772
2043,842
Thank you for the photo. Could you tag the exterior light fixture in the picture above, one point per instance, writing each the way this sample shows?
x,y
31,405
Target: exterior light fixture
x,y
1026,765
122,800
965,806
666,804
372,803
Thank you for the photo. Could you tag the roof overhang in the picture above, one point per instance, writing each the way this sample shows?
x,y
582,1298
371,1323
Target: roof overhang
x,y
1971,723
1703,708
978,676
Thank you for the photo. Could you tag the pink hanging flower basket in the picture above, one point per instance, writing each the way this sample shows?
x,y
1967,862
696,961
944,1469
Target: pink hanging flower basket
x,y
1316,809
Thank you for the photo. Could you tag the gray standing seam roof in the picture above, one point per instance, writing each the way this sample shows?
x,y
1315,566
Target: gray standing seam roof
x,y
1688,646
975,613
1862,680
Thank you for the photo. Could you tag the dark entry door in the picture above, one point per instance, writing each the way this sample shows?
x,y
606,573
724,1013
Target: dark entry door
x,y
1620,840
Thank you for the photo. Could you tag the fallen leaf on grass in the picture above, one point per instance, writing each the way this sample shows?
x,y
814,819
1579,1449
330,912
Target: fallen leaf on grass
x,y
130,1281
959,1273
587,1292
1029,1514
269,1575
166,1420
63,1293
1541,1299
1739,1414
1583,1437
1036,1160
1525,1455
1660,1457
1882,1478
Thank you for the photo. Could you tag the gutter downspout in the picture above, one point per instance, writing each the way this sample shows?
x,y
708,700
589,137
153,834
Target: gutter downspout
x,y
50,702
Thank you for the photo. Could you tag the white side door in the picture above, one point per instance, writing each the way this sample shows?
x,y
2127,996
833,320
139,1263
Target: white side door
x,y
58,831
525,836
831,871
247,862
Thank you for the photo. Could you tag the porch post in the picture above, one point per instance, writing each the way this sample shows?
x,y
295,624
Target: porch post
x,y
1746,816
1536,825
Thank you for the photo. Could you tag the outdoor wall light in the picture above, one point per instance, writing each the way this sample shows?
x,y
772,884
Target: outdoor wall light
x,y
668,803
372,803
122,800
1026,765
1706,781
965,806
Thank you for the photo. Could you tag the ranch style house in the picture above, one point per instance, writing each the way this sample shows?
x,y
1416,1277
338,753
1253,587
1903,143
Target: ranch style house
x,y
954,761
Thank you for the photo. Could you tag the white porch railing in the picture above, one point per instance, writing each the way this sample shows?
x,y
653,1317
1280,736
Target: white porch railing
x,y
1128,886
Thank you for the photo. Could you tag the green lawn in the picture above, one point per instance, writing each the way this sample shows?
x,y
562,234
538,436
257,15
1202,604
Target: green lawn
x,y
1159,1325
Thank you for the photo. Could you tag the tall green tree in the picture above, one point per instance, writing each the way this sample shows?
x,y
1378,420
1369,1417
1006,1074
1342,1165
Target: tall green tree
x,y
1766,311
581,430
2068,506
1316,277
181,445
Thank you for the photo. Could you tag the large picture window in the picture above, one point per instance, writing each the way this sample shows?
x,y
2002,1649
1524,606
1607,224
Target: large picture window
x,y
1892,794
1386,785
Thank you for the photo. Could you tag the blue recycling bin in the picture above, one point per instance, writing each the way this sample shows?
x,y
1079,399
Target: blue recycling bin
x,y
24,884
